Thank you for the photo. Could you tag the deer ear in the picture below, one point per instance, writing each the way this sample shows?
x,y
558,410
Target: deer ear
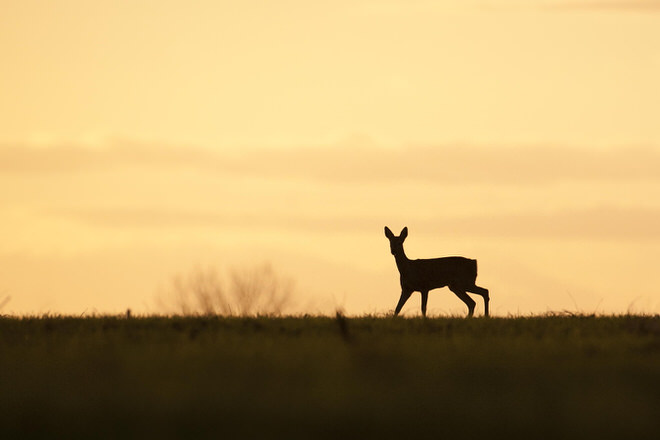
x,y
404,232
388,233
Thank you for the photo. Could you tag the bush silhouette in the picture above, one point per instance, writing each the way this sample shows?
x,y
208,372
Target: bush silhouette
x,y
257,290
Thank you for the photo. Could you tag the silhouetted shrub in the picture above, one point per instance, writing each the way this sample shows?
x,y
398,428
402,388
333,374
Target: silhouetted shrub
x,y
257,290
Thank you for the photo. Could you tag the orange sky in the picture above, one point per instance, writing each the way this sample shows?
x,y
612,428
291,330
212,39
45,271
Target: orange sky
x,y
139,139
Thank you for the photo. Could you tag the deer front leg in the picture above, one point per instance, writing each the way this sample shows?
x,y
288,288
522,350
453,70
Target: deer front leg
x,y
425,298
402,300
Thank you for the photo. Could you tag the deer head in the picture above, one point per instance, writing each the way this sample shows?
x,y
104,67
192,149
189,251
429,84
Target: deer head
x,y
396,243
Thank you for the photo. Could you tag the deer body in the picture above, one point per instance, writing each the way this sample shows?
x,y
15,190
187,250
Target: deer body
x,y
423,275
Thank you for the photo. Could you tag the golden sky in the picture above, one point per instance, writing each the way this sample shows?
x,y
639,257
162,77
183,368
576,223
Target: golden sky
x,y
141,138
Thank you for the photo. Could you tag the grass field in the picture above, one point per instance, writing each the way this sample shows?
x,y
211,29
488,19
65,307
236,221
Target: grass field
x,y
327,377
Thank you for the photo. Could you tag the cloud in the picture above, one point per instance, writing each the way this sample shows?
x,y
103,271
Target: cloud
x,y
442,164
649,6
641,5
618,5
16,158
599,223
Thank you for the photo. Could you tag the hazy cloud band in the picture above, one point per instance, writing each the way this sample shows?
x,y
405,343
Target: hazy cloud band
x,y
620,5
342,164
603,223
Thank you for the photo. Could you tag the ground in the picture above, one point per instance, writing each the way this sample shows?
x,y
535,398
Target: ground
x,y
330,377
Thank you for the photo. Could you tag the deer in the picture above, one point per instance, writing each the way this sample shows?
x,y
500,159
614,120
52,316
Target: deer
x,y
423,275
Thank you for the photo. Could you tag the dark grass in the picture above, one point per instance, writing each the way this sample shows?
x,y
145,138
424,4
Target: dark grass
x,y
322,377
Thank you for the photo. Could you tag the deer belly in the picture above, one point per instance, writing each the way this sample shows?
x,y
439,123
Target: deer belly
x,y
422,284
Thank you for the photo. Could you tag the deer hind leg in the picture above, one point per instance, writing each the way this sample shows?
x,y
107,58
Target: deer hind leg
x,y
484,293
460,292
425,298
402,300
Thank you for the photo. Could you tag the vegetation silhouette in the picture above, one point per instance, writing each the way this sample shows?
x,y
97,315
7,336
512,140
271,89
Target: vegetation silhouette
x,y
423,275
251,291
324,377
4,301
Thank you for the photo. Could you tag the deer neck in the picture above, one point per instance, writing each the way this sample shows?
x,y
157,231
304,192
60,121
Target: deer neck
x,y
401,260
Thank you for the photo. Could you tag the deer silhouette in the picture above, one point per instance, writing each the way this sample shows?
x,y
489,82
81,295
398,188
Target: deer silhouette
x,y
457,273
